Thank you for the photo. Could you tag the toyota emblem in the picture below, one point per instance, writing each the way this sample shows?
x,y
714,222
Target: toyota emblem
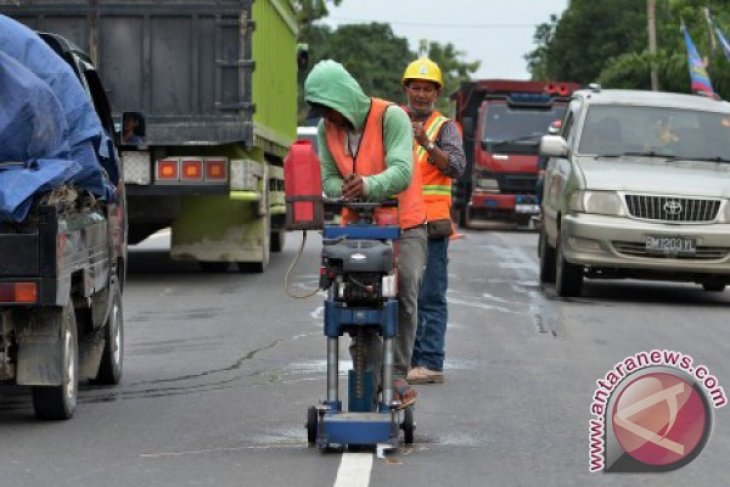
x,y
672,207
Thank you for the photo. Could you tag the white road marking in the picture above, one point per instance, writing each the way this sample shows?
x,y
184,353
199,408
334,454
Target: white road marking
x,y
355,469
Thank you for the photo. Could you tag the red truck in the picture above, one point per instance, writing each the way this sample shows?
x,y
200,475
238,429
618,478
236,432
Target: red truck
x,y
502,123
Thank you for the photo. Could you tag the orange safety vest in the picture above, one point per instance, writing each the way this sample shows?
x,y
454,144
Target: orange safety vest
x,y
436,186
370,160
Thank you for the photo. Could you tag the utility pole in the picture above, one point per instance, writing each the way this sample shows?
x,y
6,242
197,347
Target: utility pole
x,y
651,15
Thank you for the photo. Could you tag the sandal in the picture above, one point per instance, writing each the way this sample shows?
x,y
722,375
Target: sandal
x,y
404,393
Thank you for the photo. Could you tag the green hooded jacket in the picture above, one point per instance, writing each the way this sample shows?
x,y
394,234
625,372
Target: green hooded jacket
x,y
330,84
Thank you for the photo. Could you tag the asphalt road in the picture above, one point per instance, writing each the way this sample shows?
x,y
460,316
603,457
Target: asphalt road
x,y
220,369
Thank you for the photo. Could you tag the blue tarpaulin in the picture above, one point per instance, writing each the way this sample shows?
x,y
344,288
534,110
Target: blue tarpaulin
x,y
35,78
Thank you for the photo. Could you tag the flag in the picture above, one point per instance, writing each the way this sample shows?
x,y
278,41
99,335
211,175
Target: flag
x,y
701,83
723,42
710,29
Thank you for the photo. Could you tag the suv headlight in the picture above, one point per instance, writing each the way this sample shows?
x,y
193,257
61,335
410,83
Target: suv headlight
x,y
598,202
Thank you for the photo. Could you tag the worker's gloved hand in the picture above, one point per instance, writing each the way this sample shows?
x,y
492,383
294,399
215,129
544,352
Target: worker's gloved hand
x,y
353,187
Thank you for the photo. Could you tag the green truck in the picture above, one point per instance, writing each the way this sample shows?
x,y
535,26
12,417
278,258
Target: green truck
x,y
205,96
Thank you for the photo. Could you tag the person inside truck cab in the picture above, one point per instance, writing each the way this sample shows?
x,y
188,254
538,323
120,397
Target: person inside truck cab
x,y
439,152
365,148
132,129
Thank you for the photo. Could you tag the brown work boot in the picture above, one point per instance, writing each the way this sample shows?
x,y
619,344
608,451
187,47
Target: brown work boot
x,y
424,375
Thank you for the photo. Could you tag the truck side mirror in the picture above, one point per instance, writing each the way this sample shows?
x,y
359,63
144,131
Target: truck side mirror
x,y
553,146
467,124
133,128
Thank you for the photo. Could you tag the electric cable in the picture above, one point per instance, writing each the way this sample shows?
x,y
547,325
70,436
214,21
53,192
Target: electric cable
x,y
291,268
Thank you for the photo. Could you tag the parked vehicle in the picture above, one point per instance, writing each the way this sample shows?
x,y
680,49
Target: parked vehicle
x,y
637,187
502,122
210,104
62,271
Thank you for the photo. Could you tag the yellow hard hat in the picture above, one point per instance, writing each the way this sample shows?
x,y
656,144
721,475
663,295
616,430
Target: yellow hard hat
x,y
425,69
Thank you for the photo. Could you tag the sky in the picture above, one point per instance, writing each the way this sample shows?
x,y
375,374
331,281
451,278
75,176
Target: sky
x,y
497,33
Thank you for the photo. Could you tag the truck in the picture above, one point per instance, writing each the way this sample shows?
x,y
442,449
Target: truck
x,y
204,93
502,122
62,272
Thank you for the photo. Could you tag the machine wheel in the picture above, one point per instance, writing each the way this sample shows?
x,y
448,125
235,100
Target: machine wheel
x,y
59,402
547,260
278,240
568,277
312,422
110,370
715,287
408,425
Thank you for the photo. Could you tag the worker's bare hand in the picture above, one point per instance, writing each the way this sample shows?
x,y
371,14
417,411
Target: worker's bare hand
x,y
419,133
353,187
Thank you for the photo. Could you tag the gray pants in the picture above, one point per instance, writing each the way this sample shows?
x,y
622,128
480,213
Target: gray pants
x,y
412,254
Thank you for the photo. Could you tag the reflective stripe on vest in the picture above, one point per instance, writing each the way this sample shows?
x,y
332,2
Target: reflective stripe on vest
x,y
436,186
370,160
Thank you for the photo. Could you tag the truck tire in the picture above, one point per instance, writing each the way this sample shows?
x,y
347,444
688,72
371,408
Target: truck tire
x,y
278,239
110,369
59,402
547,260
464,217
568,277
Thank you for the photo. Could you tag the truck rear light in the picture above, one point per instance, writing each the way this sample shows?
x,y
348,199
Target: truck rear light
x,y
18,292
216,170
192,169
168,170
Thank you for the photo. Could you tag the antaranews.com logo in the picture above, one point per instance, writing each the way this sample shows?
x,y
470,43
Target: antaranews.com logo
x,y
652,412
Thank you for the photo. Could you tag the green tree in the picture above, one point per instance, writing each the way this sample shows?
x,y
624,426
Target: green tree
x,y
607,42
376,57
453,68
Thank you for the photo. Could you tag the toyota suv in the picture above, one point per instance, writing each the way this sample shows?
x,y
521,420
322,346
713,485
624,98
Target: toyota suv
x,y
637,186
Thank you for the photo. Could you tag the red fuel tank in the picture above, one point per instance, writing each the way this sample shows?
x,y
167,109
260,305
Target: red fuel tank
x,y
303,188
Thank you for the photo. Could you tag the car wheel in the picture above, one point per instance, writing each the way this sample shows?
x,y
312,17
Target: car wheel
x,y
110,370
59,402
716,287
547,260
568,277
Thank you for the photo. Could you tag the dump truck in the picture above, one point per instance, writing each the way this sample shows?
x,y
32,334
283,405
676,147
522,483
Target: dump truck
x,y
204,97
502,122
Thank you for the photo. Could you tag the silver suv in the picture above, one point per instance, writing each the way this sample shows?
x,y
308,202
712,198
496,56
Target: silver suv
x,y
637,186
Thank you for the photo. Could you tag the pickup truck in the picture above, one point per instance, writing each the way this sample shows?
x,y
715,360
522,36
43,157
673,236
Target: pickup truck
x,y
62,272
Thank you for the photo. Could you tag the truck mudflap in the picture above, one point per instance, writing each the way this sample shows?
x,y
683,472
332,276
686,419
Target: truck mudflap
x,y
40,348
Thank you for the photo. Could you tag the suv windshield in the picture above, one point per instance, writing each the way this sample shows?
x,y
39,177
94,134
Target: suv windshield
x,y
517,129
670,133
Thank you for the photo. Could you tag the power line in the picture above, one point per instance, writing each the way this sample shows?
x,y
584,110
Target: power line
x,y
437,25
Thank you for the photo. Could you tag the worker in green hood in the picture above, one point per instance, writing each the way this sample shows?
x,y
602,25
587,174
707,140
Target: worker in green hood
x,y
366,152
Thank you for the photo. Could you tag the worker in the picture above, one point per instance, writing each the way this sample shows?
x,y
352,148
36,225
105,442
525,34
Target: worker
x,y
365,147
439,153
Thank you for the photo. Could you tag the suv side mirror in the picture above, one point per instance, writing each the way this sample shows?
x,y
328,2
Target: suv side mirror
x,y
133,128
553,146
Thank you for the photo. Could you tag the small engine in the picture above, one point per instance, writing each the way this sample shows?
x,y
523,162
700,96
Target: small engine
x,y
361,271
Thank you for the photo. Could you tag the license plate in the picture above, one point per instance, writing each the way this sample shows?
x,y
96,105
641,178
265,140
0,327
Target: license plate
x,y
530,209
671,245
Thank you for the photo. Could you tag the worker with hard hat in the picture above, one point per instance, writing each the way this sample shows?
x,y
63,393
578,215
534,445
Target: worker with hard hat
x,y
439,153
